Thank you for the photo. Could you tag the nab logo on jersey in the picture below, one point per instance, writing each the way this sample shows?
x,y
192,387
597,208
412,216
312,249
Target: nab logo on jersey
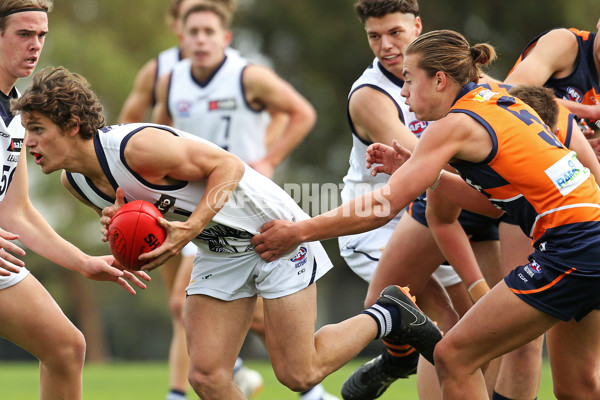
x,y
224,104
417,127
15,145
574,94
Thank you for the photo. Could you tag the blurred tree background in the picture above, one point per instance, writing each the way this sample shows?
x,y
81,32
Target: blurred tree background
x,y
318,46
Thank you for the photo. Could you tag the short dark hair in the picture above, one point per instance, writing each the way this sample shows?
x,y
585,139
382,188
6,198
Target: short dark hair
x,y
366,9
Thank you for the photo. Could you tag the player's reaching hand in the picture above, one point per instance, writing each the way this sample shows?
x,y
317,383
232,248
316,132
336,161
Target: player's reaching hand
x,y
276,239
108,212
106,268
9,263
389,158
178,235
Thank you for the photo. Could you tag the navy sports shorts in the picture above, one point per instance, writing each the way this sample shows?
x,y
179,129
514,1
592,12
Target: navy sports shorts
x,y
563,275
478,227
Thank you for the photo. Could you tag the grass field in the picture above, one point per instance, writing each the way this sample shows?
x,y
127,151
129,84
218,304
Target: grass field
x,y
148,381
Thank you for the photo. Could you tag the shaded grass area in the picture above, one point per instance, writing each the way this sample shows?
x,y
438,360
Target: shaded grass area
x,y
149,381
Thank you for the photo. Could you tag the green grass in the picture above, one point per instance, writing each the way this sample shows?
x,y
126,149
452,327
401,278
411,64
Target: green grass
x,y
148,381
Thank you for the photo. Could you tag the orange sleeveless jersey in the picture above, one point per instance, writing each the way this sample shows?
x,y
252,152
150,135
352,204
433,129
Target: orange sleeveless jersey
x,y
528,173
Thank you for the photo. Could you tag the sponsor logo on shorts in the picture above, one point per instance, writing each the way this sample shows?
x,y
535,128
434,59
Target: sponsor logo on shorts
x,y
574,94
532,268
300,258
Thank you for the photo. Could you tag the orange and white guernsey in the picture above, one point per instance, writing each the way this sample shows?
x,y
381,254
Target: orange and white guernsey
x,y
529,173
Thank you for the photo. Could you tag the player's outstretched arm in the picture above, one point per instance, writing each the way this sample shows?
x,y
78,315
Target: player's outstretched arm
x,y
17,214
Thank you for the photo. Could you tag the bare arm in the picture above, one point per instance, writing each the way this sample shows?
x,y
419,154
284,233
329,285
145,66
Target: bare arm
x,y
265,89
160,113
375,119
150,154
585,153
553,56
373,209
19,215
449,184
442,218
138,105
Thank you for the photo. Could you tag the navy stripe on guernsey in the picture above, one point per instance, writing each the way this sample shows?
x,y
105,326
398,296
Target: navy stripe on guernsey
x,y
569,133
392,78
106,168
77,188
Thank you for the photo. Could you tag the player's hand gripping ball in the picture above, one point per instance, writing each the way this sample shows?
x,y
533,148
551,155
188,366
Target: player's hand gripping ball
x,y
133,231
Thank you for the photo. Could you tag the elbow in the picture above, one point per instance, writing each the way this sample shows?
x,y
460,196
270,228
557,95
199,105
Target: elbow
x,y
307,116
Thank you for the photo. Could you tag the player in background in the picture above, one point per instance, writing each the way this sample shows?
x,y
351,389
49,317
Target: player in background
x,y
229,95
211,197
567,61
176,274
378,114
29,316
486,136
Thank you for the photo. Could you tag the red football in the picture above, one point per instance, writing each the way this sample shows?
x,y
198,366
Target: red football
x,y
133,231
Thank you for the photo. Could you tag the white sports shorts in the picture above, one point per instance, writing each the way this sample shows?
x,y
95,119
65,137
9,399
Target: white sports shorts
x,y
13,278
235,276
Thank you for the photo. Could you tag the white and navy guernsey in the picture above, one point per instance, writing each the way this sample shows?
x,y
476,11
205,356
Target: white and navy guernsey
x,y
358,179
217,109
255,201
12,134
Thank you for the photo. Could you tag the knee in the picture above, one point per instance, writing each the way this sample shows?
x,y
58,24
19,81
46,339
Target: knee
x,y
296,380
209,385
585,386
258,318
176,302
445,356
68,355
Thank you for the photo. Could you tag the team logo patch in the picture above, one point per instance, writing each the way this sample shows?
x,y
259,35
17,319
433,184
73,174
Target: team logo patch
x,y
484,95
15,145
300,258
183,108
574,94
224,104
417,127
532,269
